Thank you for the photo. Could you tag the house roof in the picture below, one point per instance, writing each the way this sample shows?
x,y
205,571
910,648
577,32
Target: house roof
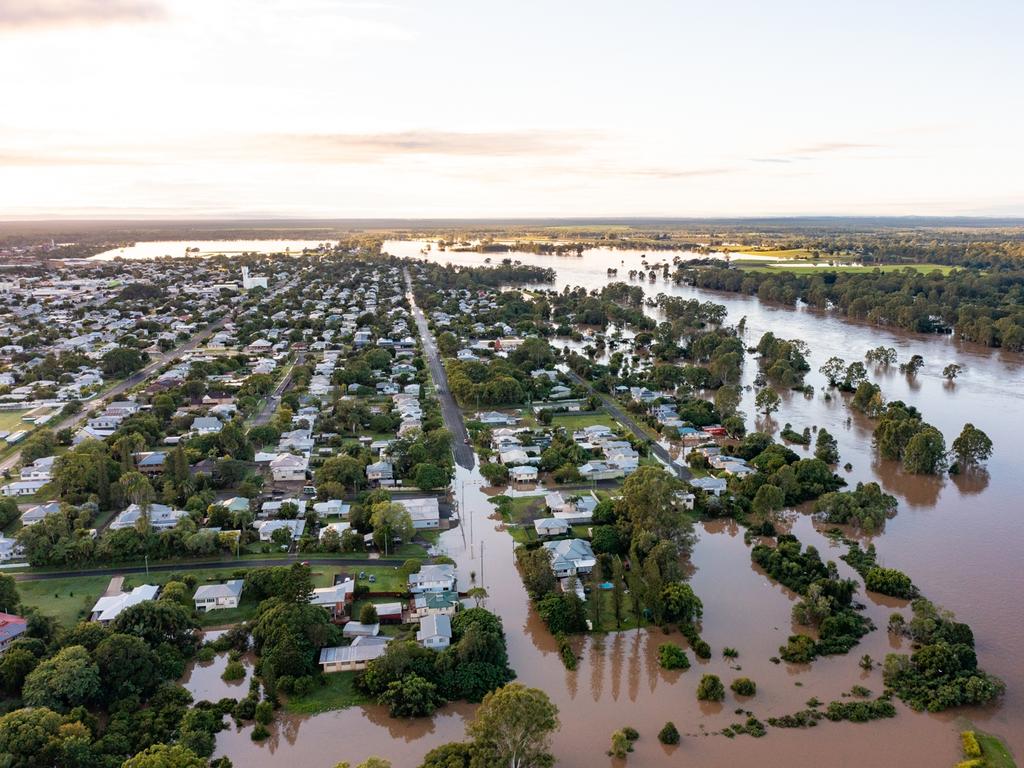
x,y
232,588
109,607
435,625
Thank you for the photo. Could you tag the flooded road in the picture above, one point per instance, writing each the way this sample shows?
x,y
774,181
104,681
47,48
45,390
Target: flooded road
x,y
958,538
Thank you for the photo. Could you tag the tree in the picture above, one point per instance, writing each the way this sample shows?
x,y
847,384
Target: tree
x,y
390,520
681,604
926,452
63,682
620,745
513,727
368,614
29,737
912,366
477,594
127,666
136,489
710,688
9,600
453,755
972,447
166,756
833,370
669,734
727,400
157,622
122,362
951,371
494,473
767,401
535,568
768,499
343,470
744,686
411,696
826,448
429,477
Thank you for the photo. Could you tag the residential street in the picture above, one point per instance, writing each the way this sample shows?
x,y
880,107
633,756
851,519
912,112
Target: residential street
x,y
627,421
450,410
274,399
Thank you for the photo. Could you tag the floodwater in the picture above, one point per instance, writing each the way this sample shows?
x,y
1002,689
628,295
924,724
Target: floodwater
x,y
960,540
155,249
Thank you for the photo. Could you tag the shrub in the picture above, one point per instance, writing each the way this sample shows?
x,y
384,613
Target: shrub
x,y
368,614
730,653
970,744
286,684
710,688
206,654
701,649
264,713
799,650
304,685
669,734
620,745
630,733
245,709
260,732
672,657
233,671
744,686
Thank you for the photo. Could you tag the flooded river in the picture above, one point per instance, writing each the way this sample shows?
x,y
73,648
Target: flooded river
x,y
960,540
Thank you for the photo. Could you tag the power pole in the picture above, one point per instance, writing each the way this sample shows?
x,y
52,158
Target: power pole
x,y
482,582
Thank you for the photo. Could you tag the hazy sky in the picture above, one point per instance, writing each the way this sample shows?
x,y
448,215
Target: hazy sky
x,y
450,108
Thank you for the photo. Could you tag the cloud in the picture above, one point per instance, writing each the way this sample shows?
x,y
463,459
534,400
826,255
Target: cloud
x,y
831,146
17,14
374,147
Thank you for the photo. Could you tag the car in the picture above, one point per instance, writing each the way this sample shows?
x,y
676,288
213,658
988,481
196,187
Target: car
x,y
373,578
305,563
362,574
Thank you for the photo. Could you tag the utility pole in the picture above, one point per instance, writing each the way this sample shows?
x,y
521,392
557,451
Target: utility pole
x,y
482,582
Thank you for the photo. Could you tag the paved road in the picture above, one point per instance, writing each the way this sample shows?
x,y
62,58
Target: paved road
x,y
121,387
683,473
275,397
209,565
450,410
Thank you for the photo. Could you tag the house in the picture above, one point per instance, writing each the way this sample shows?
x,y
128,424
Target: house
x,y
289,468
599,470
9,549
151,462
684,499
11,628
273,508
109,607
332,508
206,425
354,657
267,528
40,469
213,597
433,578
429,603
338,528
574,510
435,631
492,418
570,557
34,514
551,526
713,485
23,487
335,599
236,504
523,474
358,629
380,473
425,513
160,517
389,613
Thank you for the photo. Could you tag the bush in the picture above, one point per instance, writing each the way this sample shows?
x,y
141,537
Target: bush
x,y
368,614
669,734
260,732
304,685
286,684
264,713
730,653
620,745
206,654
701,649
672,657
970,744
630,733
245,709
233,671
800,649
744,686
710,688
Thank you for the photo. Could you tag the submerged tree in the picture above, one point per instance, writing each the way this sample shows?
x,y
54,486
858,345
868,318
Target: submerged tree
x,y
972,447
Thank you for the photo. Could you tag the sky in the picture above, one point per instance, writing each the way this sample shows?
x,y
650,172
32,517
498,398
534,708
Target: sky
x,y
451,108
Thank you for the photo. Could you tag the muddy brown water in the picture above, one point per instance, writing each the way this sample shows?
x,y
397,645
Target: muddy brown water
x,y
960,539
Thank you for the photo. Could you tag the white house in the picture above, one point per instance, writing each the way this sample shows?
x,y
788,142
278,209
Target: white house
x,y
433,578
435,631
212,597
206,425
161,517
267,528
354,657
550,526
34,514
109,607
424,512
23,487
570,557
289,468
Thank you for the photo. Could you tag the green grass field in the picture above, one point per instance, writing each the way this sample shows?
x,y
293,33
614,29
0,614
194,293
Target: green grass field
x,y
805,269
338,693
66,600
10,421
994,752
574,421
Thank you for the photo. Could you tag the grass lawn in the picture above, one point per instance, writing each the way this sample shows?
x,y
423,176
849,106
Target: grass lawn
x,y
67,600
805,269
389,579
222,618
10,421
339,693
575,421
523,509
607,622
994,752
